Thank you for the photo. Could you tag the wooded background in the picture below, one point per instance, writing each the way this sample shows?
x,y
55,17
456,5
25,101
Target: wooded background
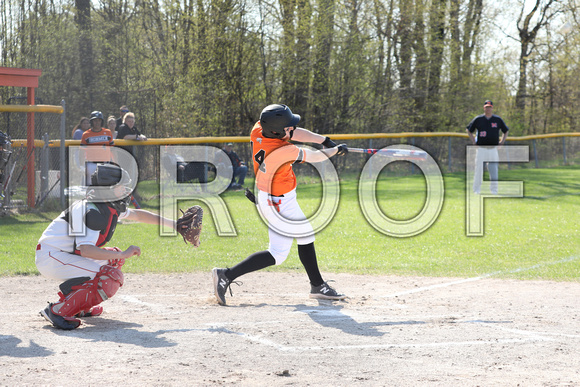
x,y
208,67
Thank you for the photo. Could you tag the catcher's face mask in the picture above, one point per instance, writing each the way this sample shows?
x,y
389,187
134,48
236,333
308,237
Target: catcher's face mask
x,y
112,176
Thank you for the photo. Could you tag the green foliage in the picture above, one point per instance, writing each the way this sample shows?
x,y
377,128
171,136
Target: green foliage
x,y
527,238
207,68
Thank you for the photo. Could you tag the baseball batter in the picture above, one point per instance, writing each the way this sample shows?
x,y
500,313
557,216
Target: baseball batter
x,y
484,130
277,188
90,272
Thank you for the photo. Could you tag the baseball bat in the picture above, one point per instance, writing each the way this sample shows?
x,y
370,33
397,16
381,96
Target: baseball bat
x,y
396,153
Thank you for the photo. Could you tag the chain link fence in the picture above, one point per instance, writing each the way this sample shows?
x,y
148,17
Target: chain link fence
x,y
448,151
46,159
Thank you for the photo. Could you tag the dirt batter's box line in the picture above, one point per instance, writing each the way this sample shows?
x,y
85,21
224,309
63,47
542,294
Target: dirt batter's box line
x,y
287,348
495,273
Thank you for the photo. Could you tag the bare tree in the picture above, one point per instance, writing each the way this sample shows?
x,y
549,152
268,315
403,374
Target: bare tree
x,y
528,28
83,21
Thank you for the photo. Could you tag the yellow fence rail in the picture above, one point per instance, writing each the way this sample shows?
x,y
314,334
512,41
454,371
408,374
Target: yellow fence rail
x,y
205,140
32,109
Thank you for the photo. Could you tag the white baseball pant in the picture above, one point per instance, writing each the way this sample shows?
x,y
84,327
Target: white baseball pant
x,y
287,206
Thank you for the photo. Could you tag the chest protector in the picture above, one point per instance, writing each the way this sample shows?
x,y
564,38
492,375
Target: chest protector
x,y
104,220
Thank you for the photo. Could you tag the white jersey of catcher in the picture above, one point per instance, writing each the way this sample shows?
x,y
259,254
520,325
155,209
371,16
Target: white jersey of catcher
x,y
55,252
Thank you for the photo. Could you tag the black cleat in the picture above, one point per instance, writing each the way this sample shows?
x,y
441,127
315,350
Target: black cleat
x,y
325,292
220,284
59,322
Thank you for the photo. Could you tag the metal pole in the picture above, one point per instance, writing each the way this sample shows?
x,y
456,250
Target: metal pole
x,y
535,153
564,150
449,154
412,164
63,177
30,170
371,160
44,167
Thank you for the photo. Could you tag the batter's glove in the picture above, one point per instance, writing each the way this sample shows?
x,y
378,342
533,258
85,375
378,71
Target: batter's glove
x,y
189,225
250,195
342,149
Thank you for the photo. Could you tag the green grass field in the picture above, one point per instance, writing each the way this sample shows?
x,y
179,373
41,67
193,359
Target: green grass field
x,y
535,237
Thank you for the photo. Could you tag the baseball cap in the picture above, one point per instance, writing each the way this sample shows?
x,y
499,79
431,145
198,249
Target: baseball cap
x,y
488,103
230,144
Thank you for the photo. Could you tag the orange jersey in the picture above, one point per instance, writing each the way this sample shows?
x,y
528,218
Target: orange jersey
x,y
99,141
268,154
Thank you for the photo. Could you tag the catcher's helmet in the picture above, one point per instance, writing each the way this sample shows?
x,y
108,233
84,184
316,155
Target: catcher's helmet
x,y
108,175
97,114
275,118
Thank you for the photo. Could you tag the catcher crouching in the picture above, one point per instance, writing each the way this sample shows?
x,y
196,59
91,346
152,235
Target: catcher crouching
x,y
91,273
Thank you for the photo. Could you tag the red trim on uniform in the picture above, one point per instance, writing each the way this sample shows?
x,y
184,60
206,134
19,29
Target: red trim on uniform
x,y
274,204
68,264
38,247
103,236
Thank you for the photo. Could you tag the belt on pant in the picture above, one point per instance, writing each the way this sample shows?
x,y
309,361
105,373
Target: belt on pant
x,y
38,247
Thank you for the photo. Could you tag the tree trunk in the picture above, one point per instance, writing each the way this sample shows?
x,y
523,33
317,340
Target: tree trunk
x,y
421,61
287,50
322,119
404,36
302,65
527,38
83,20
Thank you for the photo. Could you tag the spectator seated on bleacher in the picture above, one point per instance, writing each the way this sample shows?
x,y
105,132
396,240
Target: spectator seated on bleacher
x,y
187,171
239,167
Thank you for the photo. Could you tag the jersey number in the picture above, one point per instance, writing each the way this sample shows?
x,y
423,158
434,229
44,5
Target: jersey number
x,y
259,157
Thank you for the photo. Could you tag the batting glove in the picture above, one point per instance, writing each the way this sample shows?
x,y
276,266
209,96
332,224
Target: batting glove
x,y
342,149
250,195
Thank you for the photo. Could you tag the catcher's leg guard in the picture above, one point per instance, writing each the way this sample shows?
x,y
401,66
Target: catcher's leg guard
x,y
67,287
90,293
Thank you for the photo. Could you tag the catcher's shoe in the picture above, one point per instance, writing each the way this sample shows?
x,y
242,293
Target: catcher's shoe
x,y
221,283
325,292
93,312
66,323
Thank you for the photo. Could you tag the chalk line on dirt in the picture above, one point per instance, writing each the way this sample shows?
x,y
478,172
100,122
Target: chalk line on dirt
x,y
473,279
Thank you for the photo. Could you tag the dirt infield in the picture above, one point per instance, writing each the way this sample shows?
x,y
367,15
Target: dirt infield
x,y
167,330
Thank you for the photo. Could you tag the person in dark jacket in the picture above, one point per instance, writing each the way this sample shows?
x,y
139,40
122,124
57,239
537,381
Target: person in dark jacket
x,y
240,168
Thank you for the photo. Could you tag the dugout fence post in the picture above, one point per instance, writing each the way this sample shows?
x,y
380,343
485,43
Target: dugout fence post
x,y
63,176
449,153
30,149
535,152
412,164
370,160
564,149
43,168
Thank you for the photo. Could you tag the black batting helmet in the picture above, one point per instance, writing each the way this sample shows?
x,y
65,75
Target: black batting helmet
x,y
275,118
97,114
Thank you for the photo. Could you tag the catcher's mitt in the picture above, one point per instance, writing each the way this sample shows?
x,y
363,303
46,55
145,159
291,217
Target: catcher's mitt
x,y
189,225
